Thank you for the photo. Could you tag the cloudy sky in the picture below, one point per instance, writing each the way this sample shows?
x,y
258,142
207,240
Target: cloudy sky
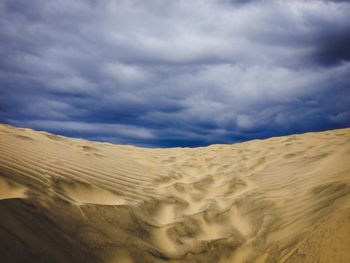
x,y
175,73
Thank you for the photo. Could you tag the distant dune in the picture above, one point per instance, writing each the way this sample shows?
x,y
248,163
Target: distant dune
x,y
284,199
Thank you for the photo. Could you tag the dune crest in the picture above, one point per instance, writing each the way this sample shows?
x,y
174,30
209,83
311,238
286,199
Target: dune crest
x,y
283,199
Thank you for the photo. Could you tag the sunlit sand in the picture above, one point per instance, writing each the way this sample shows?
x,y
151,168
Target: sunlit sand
x,y
283,199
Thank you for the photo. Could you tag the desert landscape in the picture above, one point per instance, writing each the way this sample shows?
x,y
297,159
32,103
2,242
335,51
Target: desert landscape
x,y
164,131
283,199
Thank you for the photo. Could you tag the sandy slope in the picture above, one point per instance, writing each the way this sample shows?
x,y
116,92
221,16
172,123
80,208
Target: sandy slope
x,y
283,199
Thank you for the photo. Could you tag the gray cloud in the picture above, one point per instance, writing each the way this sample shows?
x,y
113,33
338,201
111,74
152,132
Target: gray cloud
x,y
178,73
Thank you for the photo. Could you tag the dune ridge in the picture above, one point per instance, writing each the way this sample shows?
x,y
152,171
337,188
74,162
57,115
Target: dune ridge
x,y
283,199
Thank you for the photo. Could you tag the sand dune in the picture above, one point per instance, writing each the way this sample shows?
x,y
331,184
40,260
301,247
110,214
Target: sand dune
x,y
284,199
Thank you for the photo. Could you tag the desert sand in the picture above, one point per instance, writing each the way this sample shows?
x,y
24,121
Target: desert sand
x,y
283,199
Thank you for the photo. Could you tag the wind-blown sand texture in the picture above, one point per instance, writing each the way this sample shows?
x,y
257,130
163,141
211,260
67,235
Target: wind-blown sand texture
x,y
284,199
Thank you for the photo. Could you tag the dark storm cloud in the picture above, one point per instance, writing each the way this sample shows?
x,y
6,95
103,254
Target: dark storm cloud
x,y
175,73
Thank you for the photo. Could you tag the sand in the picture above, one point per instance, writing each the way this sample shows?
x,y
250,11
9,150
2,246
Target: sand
x,y
283,199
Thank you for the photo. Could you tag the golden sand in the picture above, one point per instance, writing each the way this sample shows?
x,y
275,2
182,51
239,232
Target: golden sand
x,y
284,199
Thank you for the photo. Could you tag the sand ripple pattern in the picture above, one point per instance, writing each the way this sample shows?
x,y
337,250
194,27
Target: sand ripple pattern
x,y
283,199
